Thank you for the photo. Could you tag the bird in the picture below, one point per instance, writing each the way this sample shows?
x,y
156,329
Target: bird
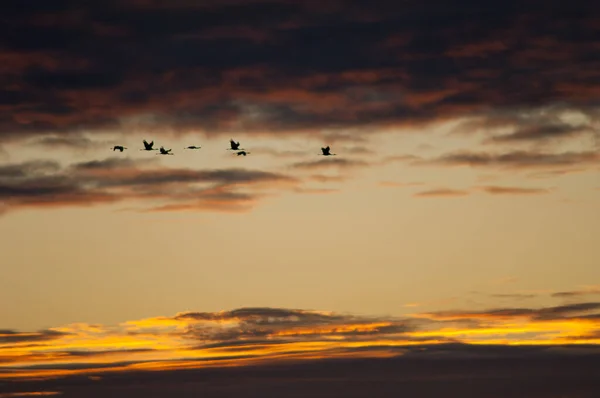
x,y
234,145
148,146
192,147
243,153
326,151
118,148
164,151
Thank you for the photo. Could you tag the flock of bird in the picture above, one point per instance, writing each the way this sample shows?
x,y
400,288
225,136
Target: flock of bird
x,y
234,146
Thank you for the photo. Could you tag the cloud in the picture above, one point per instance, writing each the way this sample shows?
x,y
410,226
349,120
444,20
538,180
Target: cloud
x,y
501,190
279,67
339,163
77,142
570,311
555,173
515,159
29,168
112,180
515,296
441,192
576,293
262,335
11,336
536,133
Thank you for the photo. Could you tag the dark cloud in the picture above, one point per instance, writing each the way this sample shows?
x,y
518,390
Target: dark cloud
x,y
427,371
515,159
27,169
12,337
280,323
570,311
111,164
280,66
441,192
41,183
576,293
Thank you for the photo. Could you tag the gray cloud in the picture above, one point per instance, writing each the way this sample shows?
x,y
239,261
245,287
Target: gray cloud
x,y
515,159
11,336
536,133
94,182
570,311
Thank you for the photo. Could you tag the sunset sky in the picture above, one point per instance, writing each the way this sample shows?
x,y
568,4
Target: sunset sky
x,y
462,205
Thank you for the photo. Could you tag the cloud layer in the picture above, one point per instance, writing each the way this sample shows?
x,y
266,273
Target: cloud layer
x,y
115,180
248,336
281,66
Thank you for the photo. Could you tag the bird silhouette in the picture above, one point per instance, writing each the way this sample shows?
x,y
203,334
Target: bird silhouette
x,y
164,151
234,145
243,153
326,151
148,146
118,148
192,147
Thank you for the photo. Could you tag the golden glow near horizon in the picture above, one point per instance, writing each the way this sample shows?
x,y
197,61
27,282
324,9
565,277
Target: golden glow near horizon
x,y
255,335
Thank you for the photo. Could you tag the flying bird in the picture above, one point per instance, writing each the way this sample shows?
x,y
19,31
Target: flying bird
x,y
148,146
118,148
164,151
326,151
192,147
234,145
243,153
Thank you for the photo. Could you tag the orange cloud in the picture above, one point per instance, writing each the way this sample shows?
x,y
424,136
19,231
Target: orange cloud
x,y
258,335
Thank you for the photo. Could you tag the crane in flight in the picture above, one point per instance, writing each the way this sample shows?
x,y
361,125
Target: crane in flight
x,y
148,146
192,147
118,148
164,151
326,151
234,145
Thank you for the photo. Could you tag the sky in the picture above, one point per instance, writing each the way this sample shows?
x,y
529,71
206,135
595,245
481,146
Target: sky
x,y
461,206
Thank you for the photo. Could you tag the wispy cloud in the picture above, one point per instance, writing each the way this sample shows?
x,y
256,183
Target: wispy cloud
x,y
441,192
504,190
515,159
71,141
112,180
590,291
340,163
